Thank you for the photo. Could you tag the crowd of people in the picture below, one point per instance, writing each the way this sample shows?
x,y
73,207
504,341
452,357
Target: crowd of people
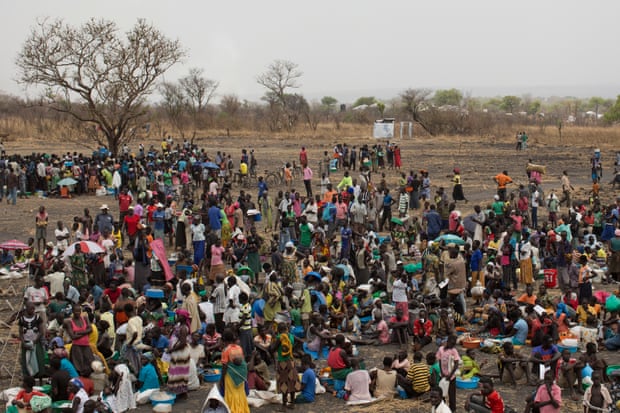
x,y
194,276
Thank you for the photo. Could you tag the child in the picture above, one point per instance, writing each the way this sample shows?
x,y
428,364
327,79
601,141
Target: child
x,y
308,381
23,398
596,397
401,363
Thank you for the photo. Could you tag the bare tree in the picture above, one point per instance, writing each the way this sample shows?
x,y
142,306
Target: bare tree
x,y
415,101
281,75
174,104
93,74
229,107
199,91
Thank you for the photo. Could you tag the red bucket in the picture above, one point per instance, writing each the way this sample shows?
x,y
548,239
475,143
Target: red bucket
x,y
551,278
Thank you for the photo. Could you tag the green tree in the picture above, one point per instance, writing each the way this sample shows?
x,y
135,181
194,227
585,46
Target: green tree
x,y
452,97
95,75
365,100
613,114
329,101
534,107
381,108
596,102
510,103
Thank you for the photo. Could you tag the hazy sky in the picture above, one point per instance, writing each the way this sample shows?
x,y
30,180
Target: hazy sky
x,y
351,48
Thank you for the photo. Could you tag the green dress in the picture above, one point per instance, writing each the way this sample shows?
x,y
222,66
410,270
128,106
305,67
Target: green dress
x,y
78,265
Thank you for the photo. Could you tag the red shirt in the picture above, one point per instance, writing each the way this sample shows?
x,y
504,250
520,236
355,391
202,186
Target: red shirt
x,y
25,397
124,201
334,359
495,403
149,212
112,294
131,223
420,329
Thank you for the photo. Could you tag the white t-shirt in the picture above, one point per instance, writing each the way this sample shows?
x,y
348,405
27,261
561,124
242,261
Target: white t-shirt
x,y
56,280
358,383
62,233
207,308
198,232
37,296
399,293
535,196
233,294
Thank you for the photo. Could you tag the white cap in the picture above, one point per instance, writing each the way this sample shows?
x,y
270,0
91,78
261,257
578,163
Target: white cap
x,y
104,206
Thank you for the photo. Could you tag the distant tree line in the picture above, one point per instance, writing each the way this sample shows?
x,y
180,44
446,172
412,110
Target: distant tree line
x,y
98,85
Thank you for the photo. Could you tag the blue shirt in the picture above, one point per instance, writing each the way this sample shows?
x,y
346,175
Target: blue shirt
x,y
214,218
258,307
161,343
182,165
158,218
68,367
262,187
433,222
476,260
387,201
148,377
521,335
97,292
308,380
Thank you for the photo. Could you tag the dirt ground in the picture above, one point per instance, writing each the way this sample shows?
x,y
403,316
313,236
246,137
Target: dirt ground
x,y
478,160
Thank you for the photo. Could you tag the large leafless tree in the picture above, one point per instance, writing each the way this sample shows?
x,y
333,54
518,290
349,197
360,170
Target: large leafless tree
x,y
95,74
280,77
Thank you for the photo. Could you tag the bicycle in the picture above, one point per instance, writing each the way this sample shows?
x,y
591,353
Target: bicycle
x,y
274,178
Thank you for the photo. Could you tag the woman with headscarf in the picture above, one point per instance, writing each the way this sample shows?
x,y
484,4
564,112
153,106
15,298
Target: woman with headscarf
x,y
80,397
179,349
226,228
198,239
286,373
31,329
125,399
273,293
289,262
234,377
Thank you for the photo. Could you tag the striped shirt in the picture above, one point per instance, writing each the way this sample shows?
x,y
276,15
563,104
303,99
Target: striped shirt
x,y
246,316
418,375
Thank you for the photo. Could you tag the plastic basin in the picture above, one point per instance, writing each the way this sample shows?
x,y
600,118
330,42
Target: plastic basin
x,y
467,384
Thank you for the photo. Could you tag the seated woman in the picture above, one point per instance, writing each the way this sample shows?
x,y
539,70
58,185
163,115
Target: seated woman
x,y
148,379
470,366
317,336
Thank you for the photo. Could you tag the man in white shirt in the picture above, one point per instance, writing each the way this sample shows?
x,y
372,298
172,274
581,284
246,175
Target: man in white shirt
x,y
62,236
233,291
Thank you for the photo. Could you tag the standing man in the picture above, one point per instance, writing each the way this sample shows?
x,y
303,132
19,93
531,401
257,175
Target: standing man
x,y
352,158
159,215
12,183
215,222
502,180
62,236
130,226
566,189
124,202
307,172
388,201
303,157
104,221
41,220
